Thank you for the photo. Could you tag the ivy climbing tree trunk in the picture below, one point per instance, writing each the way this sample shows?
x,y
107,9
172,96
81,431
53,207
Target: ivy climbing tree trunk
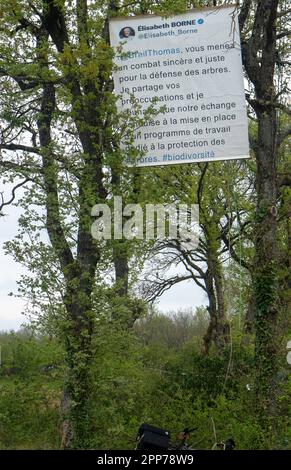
x,y
259,57
80,271
79,93
266,260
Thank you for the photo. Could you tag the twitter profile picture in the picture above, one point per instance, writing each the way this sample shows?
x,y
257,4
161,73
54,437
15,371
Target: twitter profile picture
x,y
126,32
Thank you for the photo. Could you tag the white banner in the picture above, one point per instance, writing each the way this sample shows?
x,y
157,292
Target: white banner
x,y
192,64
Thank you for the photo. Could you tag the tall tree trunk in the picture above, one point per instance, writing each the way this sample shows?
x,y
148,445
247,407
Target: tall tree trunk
x,y
218,330
250,315
266,260
259,56
78,331
79,270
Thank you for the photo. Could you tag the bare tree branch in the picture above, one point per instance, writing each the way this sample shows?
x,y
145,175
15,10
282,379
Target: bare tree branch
x,y
244,13
7,203
23,148
284,13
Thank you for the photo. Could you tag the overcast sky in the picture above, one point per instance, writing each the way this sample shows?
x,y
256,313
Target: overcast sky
x,y
184,295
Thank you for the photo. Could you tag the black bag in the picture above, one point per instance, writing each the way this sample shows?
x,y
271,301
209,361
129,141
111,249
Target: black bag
x,y
152,438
